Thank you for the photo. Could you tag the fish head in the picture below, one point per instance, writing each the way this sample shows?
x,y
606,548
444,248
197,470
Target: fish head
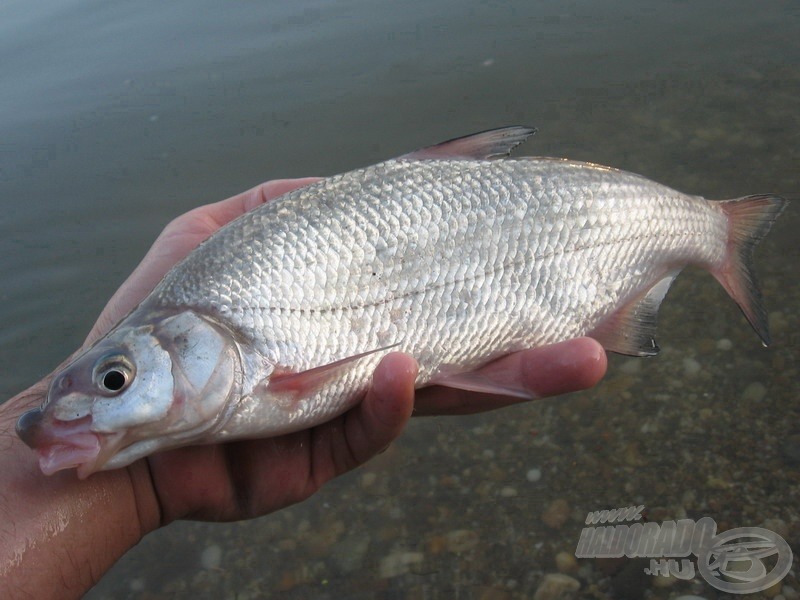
x,y
142,388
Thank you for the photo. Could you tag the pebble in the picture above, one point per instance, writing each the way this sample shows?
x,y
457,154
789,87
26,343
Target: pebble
x,y
349,554
632,455
649,427
437,544
566,562
461,540
688,499
776,525
492,593
631,366
137,584
367,479
320,543
691,367
211,558
293,578
717,483
789,592
689,597
557,586
664,582
754,392
399,563
773,591
790,448
724,344
556,514
508,492
631,582
533,475
777,322
287,545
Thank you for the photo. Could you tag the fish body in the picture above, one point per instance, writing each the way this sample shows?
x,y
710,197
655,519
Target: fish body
x,y
453,254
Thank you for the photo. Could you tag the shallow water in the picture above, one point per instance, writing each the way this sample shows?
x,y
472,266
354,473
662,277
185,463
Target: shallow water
x,y
116,117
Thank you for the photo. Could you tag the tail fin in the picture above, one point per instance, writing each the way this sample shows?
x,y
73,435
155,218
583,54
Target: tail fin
x,y
749,220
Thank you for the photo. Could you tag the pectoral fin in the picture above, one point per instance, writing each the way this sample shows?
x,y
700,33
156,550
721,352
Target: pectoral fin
x,y
300,384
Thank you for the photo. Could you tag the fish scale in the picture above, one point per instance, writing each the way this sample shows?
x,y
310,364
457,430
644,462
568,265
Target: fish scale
x,y
486,252
453,254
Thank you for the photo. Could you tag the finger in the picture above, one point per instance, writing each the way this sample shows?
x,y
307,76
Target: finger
x,y
177,240
367,429
546,371
227,210
386,408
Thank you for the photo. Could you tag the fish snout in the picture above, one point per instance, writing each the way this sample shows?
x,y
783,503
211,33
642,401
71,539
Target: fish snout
x,y
29,427
60,444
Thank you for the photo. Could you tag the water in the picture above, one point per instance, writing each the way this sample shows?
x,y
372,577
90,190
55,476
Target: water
x,y
116,117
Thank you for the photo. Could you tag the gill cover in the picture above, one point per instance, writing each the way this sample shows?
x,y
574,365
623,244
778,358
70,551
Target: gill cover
x,y
148,385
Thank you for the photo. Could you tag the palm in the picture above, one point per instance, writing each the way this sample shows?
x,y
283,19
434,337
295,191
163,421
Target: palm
x,y
244,479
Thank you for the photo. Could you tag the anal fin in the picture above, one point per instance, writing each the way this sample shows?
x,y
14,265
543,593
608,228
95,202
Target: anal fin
x,y
632,328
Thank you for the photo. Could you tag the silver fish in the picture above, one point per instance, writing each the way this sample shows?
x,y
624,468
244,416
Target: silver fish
x,y
454,254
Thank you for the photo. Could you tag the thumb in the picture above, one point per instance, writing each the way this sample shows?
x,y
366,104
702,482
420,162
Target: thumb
x,y
383,414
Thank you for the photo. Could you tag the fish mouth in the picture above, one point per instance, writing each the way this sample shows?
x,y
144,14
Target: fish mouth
x,y
66,444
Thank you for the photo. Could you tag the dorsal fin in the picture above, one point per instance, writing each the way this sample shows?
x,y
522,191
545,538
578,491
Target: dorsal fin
x,y
486,145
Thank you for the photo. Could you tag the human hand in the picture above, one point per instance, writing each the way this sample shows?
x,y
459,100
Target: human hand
x,y
107,514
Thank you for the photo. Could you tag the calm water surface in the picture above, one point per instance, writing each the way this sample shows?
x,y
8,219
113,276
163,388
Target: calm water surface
x,y
116,117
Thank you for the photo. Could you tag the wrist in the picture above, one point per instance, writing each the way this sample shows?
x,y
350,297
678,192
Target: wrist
x,y
59,534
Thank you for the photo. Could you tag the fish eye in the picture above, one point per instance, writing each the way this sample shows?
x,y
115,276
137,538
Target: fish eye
x,y
113,374
113,380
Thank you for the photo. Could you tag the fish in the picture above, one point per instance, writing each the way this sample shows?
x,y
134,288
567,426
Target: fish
x,y
456,253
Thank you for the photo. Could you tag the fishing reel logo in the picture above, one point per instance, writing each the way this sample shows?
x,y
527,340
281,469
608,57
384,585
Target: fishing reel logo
x,y
735,561
738,561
